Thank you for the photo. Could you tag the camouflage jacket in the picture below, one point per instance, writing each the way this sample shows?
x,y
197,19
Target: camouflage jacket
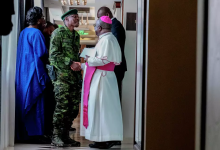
x,y
64,48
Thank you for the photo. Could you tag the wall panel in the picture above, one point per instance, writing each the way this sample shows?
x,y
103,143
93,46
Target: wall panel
x,y
213,78
171,87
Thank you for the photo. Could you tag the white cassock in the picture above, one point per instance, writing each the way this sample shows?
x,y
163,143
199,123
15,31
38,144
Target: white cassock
x,y
104,108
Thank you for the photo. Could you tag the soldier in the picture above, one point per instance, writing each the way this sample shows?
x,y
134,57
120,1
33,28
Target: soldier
x,y
64,48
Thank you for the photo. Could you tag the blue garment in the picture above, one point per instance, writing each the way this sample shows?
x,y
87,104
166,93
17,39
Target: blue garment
x,y
31,80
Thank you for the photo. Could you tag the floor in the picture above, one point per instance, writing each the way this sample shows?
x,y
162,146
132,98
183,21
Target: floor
x,y
48,147
76,136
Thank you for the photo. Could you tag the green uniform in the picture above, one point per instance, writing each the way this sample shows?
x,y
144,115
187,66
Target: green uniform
x,y
64,49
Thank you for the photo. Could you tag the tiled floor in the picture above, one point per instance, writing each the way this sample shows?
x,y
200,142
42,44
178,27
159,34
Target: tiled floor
x,y
76,136
48,147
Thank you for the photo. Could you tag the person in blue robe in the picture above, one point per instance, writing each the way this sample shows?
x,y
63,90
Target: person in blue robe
x,y
31,78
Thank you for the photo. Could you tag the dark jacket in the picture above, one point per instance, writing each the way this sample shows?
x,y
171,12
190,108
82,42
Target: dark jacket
x,y
119,32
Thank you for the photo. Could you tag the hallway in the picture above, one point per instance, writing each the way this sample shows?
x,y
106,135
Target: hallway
x,y
171,91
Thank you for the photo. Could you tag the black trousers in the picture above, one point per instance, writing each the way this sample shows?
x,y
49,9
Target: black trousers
x,y
120,76
49,107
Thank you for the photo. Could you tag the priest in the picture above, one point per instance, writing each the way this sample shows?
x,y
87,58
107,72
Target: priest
x,y
101,116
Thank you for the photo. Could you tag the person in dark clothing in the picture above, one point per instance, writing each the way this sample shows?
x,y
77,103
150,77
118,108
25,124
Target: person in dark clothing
x,y
119,32
7,13
6,27
55,26
49,104
47,33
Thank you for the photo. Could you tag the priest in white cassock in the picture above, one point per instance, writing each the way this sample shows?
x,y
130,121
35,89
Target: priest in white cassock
x,y
101,116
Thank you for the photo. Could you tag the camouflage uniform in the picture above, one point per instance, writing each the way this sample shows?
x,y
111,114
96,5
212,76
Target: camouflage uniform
x,y
64,49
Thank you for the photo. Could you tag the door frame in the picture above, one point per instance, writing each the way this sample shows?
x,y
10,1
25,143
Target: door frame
x,y
143,6
8,116
201,74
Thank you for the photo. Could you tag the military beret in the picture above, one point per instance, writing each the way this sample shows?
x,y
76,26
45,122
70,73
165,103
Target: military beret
x,y
68,13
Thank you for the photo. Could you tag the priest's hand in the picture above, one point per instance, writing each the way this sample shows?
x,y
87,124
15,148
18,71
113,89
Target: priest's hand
x,y
76,66
86,59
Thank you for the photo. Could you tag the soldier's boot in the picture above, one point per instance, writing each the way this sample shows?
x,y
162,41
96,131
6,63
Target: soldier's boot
x,y
57,139
68,141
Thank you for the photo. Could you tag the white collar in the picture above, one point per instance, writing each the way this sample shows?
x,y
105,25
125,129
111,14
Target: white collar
x,y
113,18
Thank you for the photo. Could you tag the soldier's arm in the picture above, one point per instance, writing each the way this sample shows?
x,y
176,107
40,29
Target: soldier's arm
x,y
77,62
57,57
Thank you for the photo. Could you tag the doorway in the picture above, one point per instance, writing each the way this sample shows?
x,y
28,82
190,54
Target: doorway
x,y
133,118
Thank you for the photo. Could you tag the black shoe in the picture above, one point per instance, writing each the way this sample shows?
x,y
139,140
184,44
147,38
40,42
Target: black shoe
x,y
117,142
68,141
46,139
96,145
71,143
39,140
72,129
107,145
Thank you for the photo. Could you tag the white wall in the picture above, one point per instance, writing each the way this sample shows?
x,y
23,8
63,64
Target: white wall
x,y
128,87
38,3
118,14
107,3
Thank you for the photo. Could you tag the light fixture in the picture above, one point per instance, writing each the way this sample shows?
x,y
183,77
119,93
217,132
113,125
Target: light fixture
x,y
70,2
87,19
82,19
77,2
84,2
63,2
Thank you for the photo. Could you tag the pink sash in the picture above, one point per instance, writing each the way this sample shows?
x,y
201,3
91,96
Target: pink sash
x,y
87,81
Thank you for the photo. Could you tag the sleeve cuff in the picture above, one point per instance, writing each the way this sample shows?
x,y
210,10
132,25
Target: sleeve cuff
x,y
82,66
68,61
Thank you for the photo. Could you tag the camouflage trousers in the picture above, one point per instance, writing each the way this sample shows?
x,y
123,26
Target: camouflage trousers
x,y
67,105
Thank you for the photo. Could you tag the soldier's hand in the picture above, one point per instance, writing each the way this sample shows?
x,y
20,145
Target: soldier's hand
x,y
76,66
